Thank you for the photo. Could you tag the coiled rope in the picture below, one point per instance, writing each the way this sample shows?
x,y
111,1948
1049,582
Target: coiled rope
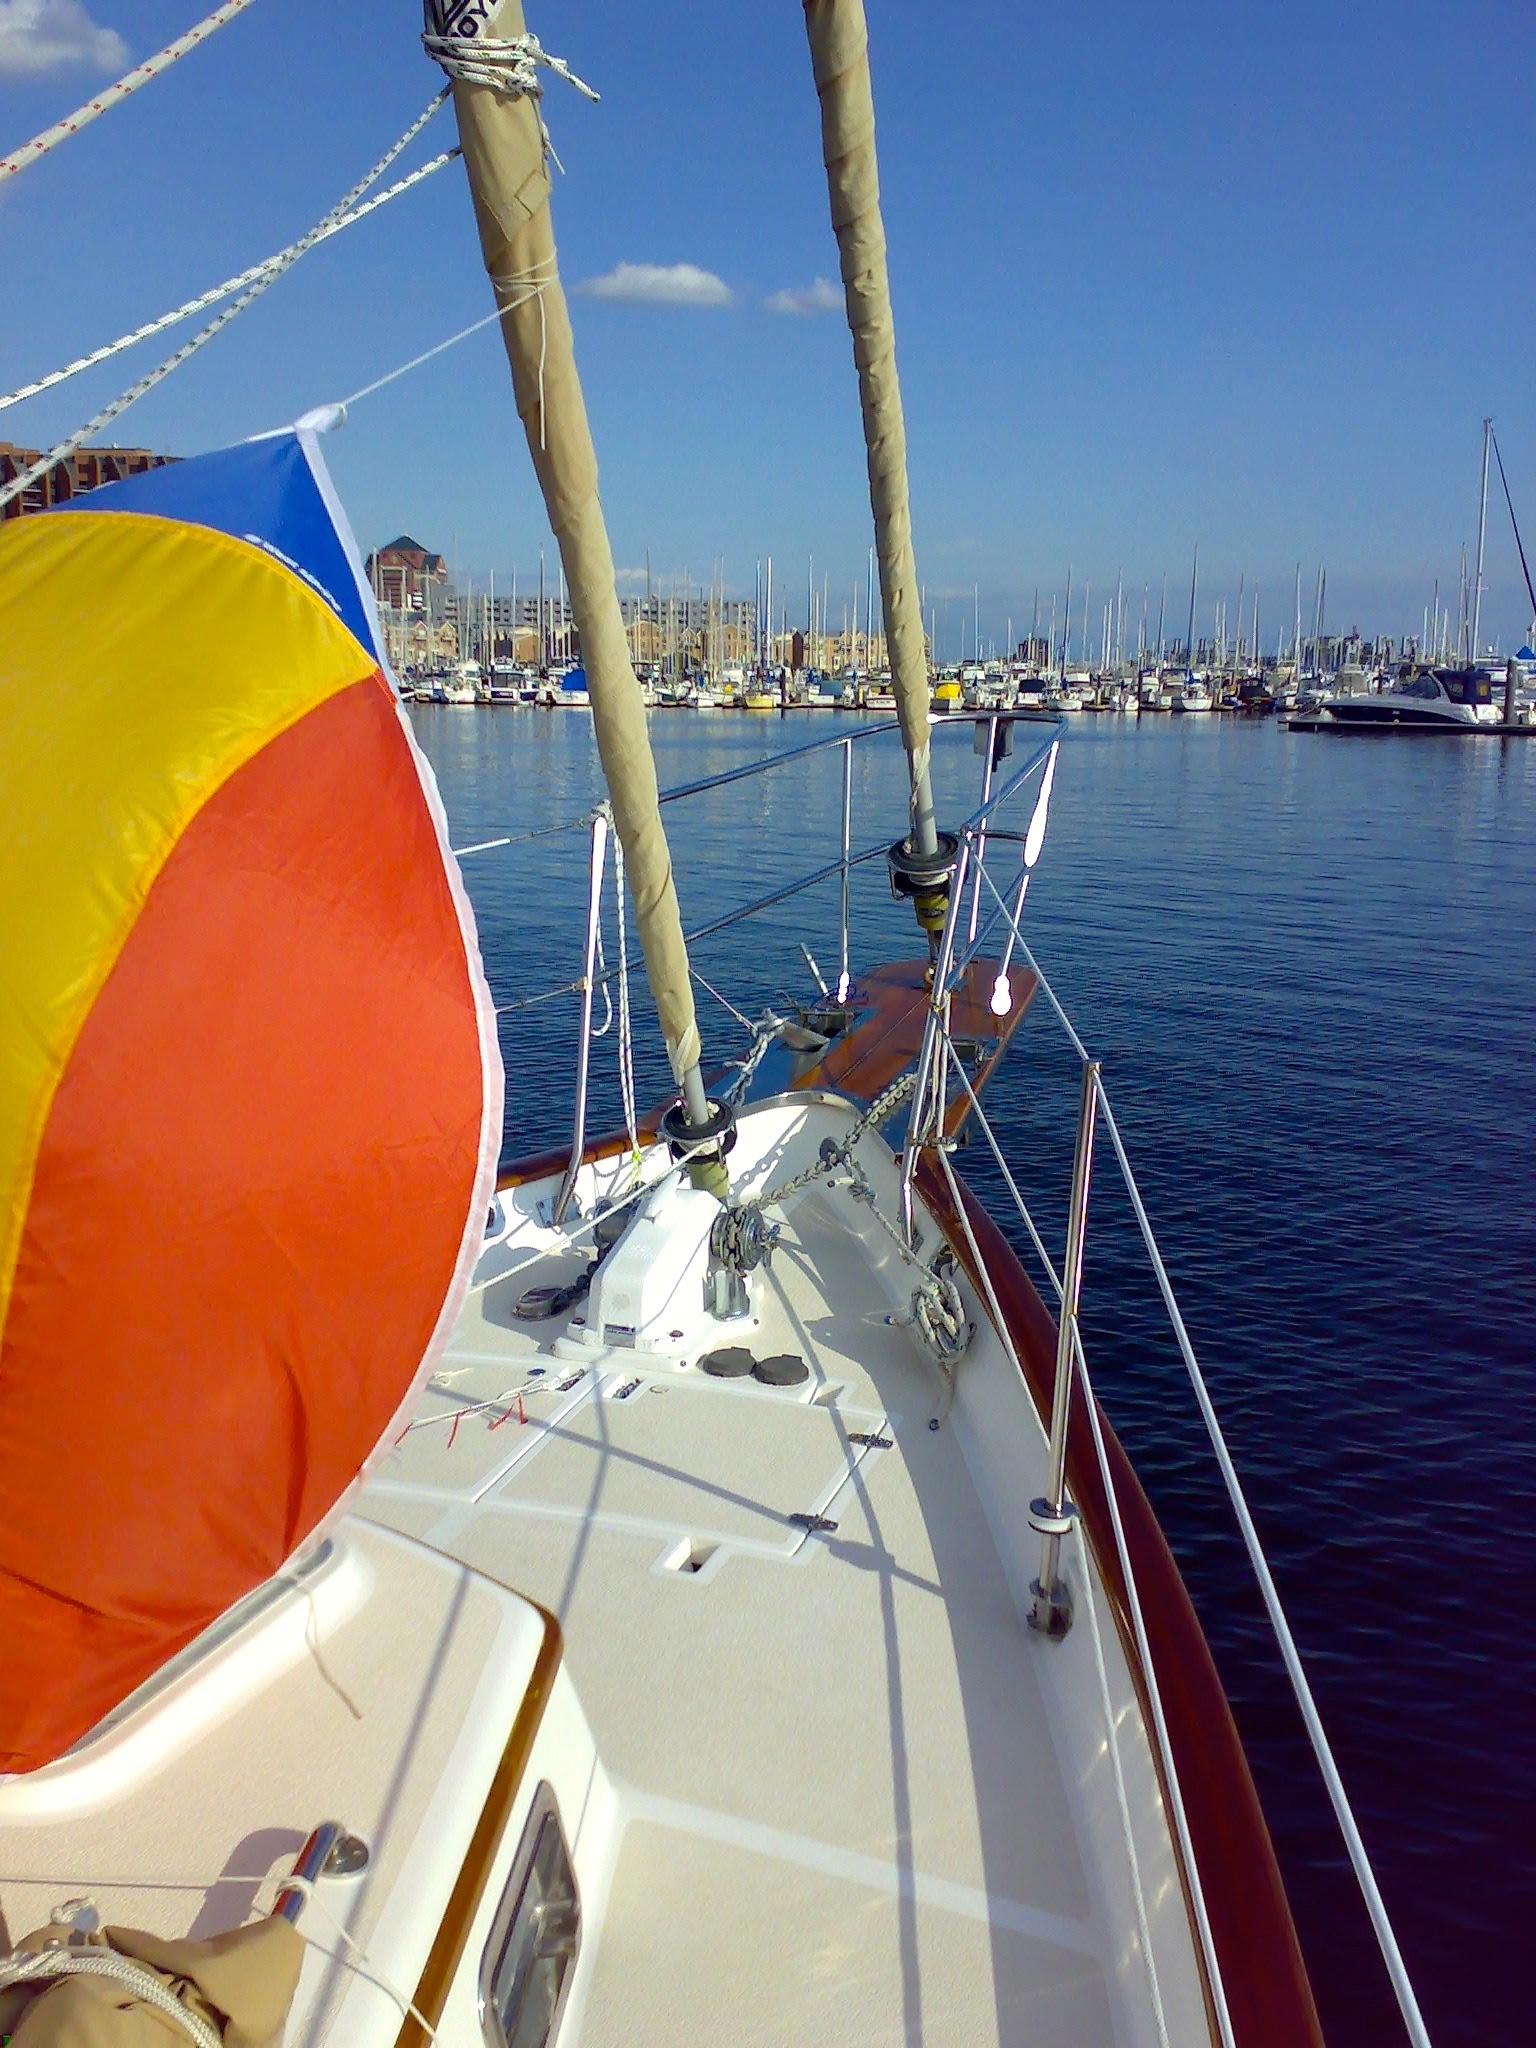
x,y
277,266
129,83
150,1988
509,66
143,1984
506,65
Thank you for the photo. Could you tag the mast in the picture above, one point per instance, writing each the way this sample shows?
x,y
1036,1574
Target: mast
x,y
1162,607
506,158
839,43
1482,527
1194,584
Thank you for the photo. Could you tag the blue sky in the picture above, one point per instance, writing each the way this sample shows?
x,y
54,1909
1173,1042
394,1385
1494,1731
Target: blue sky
x,y
1240,274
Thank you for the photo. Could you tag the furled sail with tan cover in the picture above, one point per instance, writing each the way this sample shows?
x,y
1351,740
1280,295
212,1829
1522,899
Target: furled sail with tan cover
x,y
506,157
839,42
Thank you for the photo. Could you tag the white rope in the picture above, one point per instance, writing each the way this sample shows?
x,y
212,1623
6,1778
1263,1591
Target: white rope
x,y
252,292
441,348
508,66
364,1966
1408,2005
151,1989
219,291
724,1001
114,95
142,1983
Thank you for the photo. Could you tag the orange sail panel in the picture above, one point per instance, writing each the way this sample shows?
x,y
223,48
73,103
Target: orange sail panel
x,y
250,1100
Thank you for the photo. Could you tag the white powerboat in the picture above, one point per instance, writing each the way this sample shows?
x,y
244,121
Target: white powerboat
x,y
1426,699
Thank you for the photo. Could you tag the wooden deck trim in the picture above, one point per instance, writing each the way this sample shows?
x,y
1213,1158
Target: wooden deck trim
x,y
452,1937
887,1038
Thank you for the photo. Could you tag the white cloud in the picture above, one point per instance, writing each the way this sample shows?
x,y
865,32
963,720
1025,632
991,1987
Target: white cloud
x,y
822,296
38,36
660,284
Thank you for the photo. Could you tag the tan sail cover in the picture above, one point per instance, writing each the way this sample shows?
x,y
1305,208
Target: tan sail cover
x,y
505,157
840,59
241,1982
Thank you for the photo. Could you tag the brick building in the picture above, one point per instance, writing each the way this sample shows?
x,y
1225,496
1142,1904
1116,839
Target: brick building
x,y
72,475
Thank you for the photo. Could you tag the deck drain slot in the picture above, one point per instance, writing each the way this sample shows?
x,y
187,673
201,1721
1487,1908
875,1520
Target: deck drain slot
x,y
870,1439
817,1525
689,1556
571,1380
623,1393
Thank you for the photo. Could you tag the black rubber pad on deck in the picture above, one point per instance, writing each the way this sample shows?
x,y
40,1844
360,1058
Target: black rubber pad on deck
x,y
732,1363
782,1370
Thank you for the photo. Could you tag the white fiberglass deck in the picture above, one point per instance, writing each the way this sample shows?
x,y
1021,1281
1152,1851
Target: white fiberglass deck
x,y
846,1773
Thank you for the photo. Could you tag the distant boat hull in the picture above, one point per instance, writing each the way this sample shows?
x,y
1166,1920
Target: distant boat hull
x,y
1383,713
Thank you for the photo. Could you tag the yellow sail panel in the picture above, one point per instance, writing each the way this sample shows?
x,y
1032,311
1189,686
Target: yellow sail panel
x,y
126,667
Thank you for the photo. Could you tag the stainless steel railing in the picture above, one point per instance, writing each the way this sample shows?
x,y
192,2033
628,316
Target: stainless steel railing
x,y
593,977
1052,1516
939,1064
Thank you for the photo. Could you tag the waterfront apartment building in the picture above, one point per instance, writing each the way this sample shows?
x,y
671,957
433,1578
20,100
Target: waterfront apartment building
x,y
71,475
690,630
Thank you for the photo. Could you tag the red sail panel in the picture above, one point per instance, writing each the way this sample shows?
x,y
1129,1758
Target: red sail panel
x,y
247,1214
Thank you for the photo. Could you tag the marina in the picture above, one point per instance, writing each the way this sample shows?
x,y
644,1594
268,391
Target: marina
x,y
674,1371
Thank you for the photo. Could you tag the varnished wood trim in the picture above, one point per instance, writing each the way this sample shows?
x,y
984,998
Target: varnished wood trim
x,y
882,1044
1263,1972
448,1946
886,1039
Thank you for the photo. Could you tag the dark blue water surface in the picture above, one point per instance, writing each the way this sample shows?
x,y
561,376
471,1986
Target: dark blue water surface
x,y
1309,967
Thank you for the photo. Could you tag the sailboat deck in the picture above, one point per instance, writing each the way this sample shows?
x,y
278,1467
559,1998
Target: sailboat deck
x,y
839,1754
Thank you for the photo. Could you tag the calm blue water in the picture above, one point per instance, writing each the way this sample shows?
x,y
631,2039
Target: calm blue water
x,y
1309,967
